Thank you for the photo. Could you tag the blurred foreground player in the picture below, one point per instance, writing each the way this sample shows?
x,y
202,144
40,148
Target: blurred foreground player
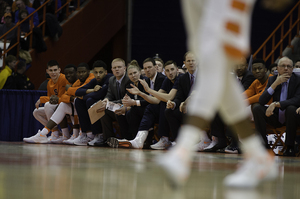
x,y
221,29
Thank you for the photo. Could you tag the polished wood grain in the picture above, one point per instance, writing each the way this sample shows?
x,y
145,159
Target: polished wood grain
x,y
61,171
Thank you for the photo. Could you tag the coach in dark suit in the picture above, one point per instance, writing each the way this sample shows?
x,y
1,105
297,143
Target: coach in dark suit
x,y
185,83
285,90
115,93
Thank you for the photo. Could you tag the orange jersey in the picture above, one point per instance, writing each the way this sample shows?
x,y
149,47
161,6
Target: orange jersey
x,y
255,90
71,91
57,88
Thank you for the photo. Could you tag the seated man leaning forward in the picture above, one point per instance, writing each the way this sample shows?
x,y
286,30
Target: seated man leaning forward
x,y
115,93
154,112
285,90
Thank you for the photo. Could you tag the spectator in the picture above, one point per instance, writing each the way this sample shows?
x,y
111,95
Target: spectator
x,y
10,62
25,27
7,26
22,6
50,7
7,10
19,80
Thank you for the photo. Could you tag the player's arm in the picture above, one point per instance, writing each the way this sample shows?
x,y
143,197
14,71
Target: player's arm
x,y
135,91
162,95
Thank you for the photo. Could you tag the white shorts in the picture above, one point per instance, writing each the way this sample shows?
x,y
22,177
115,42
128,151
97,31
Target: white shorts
x,y
218,32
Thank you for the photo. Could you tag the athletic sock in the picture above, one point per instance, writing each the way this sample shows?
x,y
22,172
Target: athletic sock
x,y
45,131
65,132
75,132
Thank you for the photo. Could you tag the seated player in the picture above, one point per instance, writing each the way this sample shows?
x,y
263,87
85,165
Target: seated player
x,y
58,83
91,93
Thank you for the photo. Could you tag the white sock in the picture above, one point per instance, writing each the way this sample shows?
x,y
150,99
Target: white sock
x,y
55,133
189,136
83,134
253,145
90,135
65,132
75,132
45,131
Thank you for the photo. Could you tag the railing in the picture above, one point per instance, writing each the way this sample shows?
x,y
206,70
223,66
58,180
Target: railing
x,y
42,25
285,31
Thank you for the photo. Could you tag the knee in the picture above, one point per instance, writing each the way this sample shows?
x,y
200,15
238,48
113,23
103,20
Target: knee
x,y
168,113
291,110
62,105
35,112
47,105
257,109
89,102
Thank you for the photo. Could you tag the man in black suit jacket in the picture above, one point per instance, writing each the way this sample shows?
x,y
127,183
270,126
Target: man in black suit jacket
x,y
154,78
154,111
283,109
115,93
177,108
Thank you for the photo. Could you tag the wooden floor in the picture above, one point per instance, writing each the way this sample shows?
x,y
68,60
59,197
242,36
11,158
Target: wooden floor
x,y
60,171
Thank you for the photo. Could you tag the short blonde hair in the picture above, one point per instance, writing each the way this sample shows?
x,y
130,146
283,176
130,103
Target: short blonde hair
x,y
118,59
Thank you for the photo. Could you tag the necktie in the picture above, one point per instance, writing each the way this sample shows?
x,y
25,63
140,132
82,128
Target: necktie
x,y
283,96
118,90
152,85
192,80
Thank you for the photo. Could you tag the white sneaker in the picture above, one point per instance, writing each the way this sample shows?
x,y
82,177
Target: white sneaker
x,y
52,137
176,164
59,140
71,140
98,137
37,139
203,144
137,143
212,143
253,171
82,140
162,144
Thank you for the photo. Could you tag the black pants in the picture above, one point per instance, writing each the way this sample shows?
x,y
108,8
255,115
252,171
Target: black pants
x,y
175,119
292,120
219,129
107,125
150,117
82,107
134,117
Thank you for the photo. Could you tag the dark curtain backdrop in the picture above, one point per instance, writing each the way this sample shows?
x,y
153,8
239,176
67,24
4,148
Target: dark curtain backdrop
x,y
16,119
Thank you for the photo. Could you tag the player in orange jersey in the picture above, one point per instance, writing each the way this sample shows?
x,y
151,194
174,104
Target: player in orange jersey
x,y
66,106
56,87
